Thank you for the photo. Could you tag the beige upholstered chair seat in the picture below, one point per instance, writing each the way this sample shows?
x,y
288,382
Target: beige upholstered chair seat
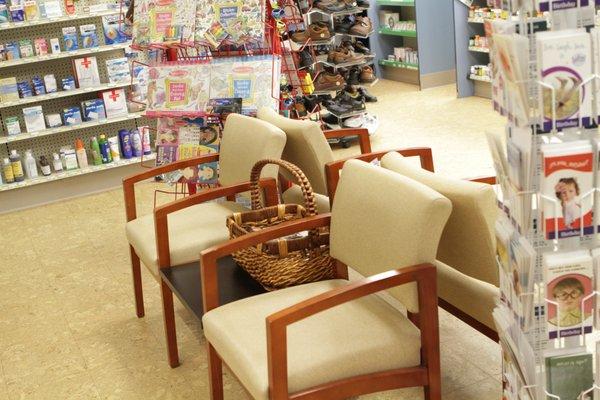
x,y
294,196
191,230
363,336
473,296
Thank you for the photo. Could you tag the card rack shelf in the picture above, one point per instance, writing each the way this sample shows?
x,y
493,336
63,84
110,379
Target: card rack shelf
x,y
52,140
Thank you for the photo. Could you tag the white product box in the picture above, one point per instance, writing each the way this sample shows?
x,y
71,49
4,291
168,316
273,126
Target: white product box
x,y
389,19
52,9
115,103
54,45
86,72
50,83
34,119
53,120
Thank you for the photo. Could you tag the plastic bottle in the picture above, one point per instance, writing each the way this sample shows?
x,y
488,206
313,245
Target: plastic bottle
x,y
96,157
136,143
57,163
146,149
30,165
7,171
17,166
81,154
125,139
104,149
113,145
45,166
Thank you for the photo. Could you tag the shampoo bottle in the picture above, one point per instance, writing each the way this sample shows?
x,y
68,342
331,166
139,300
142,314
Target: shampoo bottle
x,y
104,149
81,154
146,141
7,171
96,151
30,165
17,167
136,143
57,163
125,139
113,144
45,166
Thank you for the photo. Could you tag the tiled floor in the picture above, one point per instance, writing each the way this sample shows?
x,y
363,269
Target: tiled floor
x,y
67,324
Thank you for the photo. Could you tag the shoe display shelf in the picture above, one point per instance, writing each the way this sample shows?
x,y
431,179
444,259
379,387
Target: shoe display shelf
x,y
313,56
468,84
51,140
431,39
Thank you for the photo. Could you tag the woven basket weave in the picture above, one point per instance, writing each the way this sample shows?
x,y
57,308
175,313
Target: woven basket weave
x,y
286,261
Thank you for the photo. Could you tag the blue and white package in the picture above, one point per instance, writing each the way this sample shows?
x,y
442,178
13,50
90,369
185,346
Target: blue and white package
x,y
12,51
38,86
93,110
89,37
72,116
70,38
68,83
25,89
113,30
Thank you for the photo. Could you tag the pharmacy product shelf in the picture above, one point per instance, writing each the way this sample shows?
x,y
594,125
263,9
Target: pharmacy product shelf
x,y
399,3
71,128
65,18
387,31
64,93
64,54
480,78
479,49
398,64
74,172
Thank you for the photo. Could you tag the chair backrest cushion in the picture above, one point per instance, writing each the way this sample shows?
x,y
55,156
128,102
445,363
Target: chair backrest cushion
x,y
382,221
247,140
468,242
306,147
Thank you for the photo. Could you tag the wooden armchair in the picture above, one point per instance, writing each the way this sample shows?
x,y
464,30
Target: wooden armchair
x,y
467,270
188,226
334,339
307,147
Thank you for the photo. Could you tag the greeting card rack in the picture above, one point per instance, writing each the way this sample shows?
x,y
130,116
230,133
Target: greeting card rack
x,y
528,316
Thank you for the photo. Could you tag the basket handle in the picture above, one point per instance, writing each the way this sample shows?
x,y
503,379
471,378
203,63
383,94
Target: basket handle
x,y
307,191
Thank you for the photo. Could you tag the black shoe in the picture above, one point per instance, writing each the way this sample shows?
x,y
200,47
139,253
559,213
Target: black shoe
x,y
339,108
306,59
363,3
354,103
369,98
343,25
311,102
359,47
330,119
353,77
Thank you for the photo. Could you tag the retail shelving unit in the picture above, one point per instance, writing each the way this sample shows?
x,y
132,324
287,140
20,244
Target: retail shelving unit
x,y
432,39
468,84
31,192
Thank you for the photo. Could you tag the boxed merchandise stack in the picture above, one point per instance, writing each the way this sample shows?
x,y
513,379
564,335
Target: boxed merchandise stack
x,y
545,82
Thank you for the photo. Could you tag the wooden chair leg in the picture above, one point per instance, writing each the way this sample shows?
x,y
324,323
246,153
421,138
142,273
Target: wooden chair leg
x,y
137,283
169,320
433,391
215,373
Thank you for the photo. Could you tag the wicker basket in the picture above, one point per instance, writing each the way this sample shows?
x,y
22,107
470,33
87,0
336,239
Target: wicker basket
x,y
286,261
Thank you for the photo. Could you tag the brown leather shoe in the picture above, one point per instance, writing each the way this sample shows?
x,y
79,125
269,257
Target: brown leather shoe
x,y
328,81
362,27
315,32
343,55
367,75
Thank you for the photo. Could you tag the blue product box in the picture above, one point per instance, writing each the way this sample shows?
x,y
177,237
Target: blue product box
x,y
68,83
70,38
12,51
24,88
17,13
72,116
89,37
38,86
113,30
93,110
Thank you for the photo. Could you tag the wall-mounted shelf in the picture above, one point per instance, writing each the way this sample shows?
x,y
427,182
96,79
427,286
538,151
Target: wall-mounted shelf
x,y
393,32
399,3
64,54
71,128
75,172
480,78
65,18
398,64
479,49
63,93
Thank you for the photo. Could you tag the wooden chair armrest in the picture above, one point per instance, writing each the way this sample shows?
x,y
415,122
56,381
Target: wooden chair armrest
x,y
209,257
130,181
332,169
364,140
490,180
424,275
161,213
